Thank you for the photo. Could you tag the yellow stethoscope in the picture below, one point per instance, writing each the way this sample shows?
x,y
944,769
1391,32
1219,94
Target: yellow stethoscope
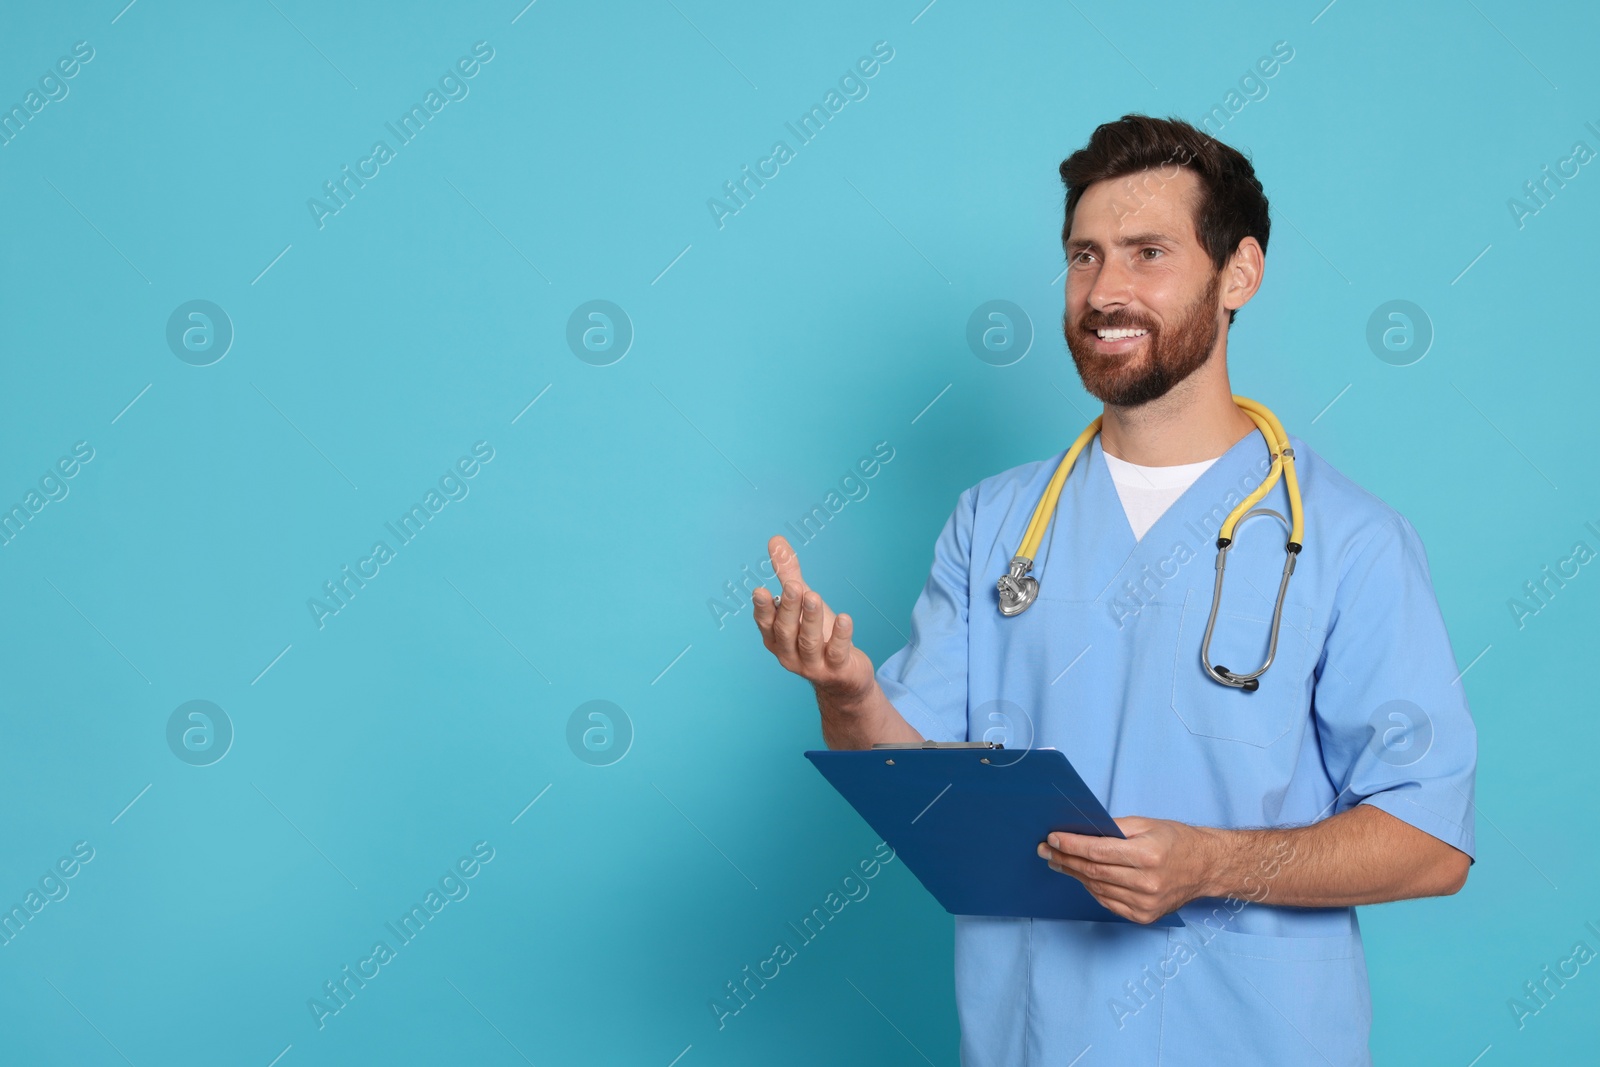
x,y
1018,589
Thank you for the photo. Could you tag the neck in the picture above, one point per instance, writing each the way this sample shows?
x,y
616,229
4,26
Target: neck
x,y
1196,420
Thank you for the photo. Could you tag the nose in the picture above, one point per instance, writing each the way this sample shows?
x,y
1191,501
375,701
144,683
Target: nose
x,y
1112,287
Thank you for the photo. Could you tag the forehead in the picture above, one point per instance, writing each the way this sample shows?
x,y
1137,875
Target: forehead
x,y
1159,200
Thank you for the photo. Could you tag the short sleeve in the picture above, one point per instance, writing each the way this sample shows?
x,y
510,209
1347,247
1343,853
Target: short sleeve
x,y
926,681
1389,704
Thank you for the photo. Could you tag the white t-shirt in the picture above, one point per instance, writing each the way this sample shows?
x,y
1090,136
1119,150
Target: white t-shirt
x,y
1147,492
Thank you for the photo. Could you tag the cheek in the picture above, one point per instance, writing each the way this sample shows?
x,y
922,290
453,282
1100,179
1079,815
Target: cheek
x,y
1164,302
1077,296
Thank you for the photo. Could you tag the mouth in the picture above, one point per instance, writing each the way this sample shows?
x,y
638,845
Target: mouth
x,y
1118,339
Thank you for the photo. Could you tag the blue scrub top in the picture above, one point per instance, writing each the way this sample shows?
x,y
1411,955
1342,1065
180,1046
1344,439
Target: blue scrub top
x,y
1363,704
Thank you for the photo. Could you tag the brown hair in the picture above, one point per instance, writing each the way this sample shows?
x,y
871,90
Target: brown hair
x,y
1232,204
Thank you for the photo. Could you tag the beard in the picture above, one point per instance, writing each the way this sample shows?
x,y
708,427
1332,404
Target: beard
x,y
1126,379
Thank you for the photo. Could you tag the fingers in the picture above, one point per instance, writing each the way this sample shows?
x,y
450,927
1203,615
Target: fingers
x,y
786,623
1101,874
778,617
785,562
800,629
1128,908
787,566
1108,850
763,611
775,618
768,610
1107,893
1134,825
808,638
1121,899
837,651
1130,893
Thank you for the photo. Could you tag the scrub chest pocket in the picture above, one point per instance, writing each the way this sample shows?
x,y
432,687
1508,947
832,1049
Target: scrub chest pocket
x,y
1239,642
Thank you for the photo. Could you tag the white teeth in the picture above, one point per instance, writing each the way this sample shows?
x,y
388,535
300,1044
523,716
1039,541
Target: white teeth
x,y
1116,335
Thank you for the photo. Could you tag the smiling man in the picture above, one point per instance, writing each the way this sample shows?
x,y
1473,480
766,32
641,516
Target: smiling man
x,y
1260,805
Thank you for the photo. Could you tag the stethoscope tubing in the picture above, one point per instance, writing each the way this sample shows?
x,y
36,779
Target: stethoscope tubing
x,y
1019,589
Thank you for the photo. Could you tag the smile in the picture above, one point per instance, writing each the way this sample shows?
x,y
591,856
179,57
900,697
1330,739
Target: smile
x,y
1117,335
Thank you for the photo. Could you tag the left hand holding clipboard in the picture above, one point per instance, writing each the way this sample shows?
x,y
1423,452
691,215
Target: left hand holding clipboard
x,y
1160,866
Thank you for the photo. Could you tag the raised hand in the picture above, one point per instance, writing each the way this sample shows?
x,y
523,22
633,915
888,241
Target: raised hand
x,y
805,635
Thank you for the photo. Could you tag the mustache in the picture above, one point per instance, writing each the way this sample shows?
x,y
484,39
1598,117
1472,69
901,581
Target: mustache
x,y
1092,322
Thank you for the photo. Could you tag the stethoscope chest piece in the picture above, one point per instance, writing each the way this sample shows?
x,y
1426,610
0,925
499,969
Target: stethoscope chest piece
x,y
1017,589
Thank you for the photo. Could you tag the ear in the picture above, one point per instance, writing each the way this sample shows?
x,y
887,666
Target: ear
x,y
1242,275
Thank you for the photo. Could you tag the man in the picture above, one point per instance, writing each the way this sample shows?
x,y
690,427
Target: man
x,y
1261,817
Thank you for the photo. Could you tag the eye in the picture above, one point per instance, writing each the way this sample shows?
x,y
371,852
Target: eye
x,y
1079,257
1150,248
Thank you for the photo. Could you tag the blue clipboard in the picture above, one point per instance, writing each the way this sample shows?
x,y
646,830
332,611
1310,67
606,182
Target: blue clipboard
x,y
967,818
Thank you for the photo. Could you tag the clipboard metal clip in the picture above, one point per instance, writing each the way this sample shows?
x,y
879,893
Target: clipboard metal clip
x,y
939,744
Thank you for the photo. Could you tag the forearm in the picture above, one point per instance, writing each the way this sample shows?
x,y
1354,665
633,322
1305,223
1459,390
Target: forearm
x,y
1360,856
862,720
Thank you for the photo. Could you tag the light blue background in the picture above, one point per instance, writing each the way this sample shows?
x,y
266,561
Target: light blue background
x,y
772,354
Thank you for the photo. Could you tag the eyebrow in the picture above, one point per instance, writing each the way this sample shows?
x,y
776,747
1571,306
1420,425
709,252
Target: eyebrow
x,y
1123,242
